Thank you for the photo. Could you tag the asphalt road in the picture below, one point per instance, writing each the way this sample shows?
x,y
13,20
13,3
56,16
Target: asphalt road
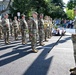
x,y
18,59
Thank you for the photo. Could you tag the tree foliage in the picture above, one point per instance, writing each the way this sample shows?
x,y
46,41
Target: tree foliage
x,y
71,4
52,8
70,13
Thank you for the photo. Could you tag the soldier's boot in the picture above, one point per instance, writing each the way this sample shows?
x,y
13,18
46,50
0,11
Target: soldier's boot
x,y
35,50
72,69
46,40
7,42
49,37
73,72
0,36
16,38
42,44
23,42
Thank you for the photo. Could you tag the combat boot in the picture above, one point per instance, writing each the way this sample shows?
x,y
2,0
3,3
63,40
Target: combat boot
x,y
73,73
23,42
7,43
72,69
42,44
46,40
35,50
16,39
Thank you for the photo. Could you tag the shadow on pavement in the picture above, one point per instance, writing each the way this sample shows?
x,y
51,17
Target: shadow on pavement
x,y
65,40
16,55
41,65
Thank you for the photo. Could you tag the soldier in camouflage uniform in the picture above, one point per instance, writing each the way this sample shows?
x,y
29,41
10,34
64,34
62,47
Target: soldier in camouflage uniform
x,y
6,28
24,28
46,29
16,28
49,27
41,30
0,28
29,27
34,31
11,27
51,24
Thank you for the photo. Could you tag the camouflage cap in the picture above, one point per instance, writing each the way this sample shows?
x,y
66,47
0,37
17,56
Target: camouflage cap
x,y
22,15
41,14
6,14
34,13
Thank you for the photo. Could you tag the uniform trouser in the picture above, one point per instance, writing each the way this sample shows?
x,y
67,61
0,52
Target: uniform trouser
x,y
6,35
23,32
41,36
29,35
46,34
34,41
15,33
0,32
12,29
50,32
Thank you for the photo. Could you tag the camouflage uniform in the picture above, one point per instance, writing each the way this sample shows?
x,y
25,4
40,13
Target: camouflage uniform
x,y
0,29
11,27
46,29
24,28
6,29
75,25
16,27
33,34
29,28
19,31
51,26
41,31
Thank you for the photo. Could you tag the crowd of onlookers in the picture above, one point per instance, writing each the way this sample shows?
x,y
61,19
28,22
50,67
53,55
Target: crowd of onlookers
x,y
64,23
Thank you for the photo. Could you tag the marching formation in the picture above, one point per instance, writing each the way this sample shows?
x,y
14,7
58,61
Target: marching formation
x,y
38,29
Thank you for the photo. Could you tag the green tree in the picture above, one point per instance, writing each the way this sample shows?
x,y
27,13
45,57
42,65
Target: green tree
x,y
52,8
71,4
56,9
70,13
58,3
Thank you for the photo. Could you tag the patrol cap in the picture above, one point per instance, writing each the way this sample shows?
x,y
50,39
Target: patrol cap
x,y
41,14
22,15
34,13
5,14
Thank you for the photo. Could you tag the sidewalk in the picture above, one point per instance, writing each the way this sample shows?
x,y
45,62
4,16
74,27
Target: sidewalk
x,y
17,59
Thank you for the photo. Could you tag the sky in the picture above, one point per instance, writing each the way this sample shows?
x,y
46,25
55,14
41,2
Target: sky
x,y
1,0
65,1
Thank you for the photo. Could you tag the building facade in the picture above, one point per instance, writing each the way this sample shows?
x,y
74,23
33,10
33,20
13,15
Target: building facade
x,y
3,6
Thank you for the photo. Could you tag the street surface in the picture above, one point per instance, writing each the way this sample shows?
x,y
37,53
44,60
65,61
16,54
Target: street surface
x,y
18,59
